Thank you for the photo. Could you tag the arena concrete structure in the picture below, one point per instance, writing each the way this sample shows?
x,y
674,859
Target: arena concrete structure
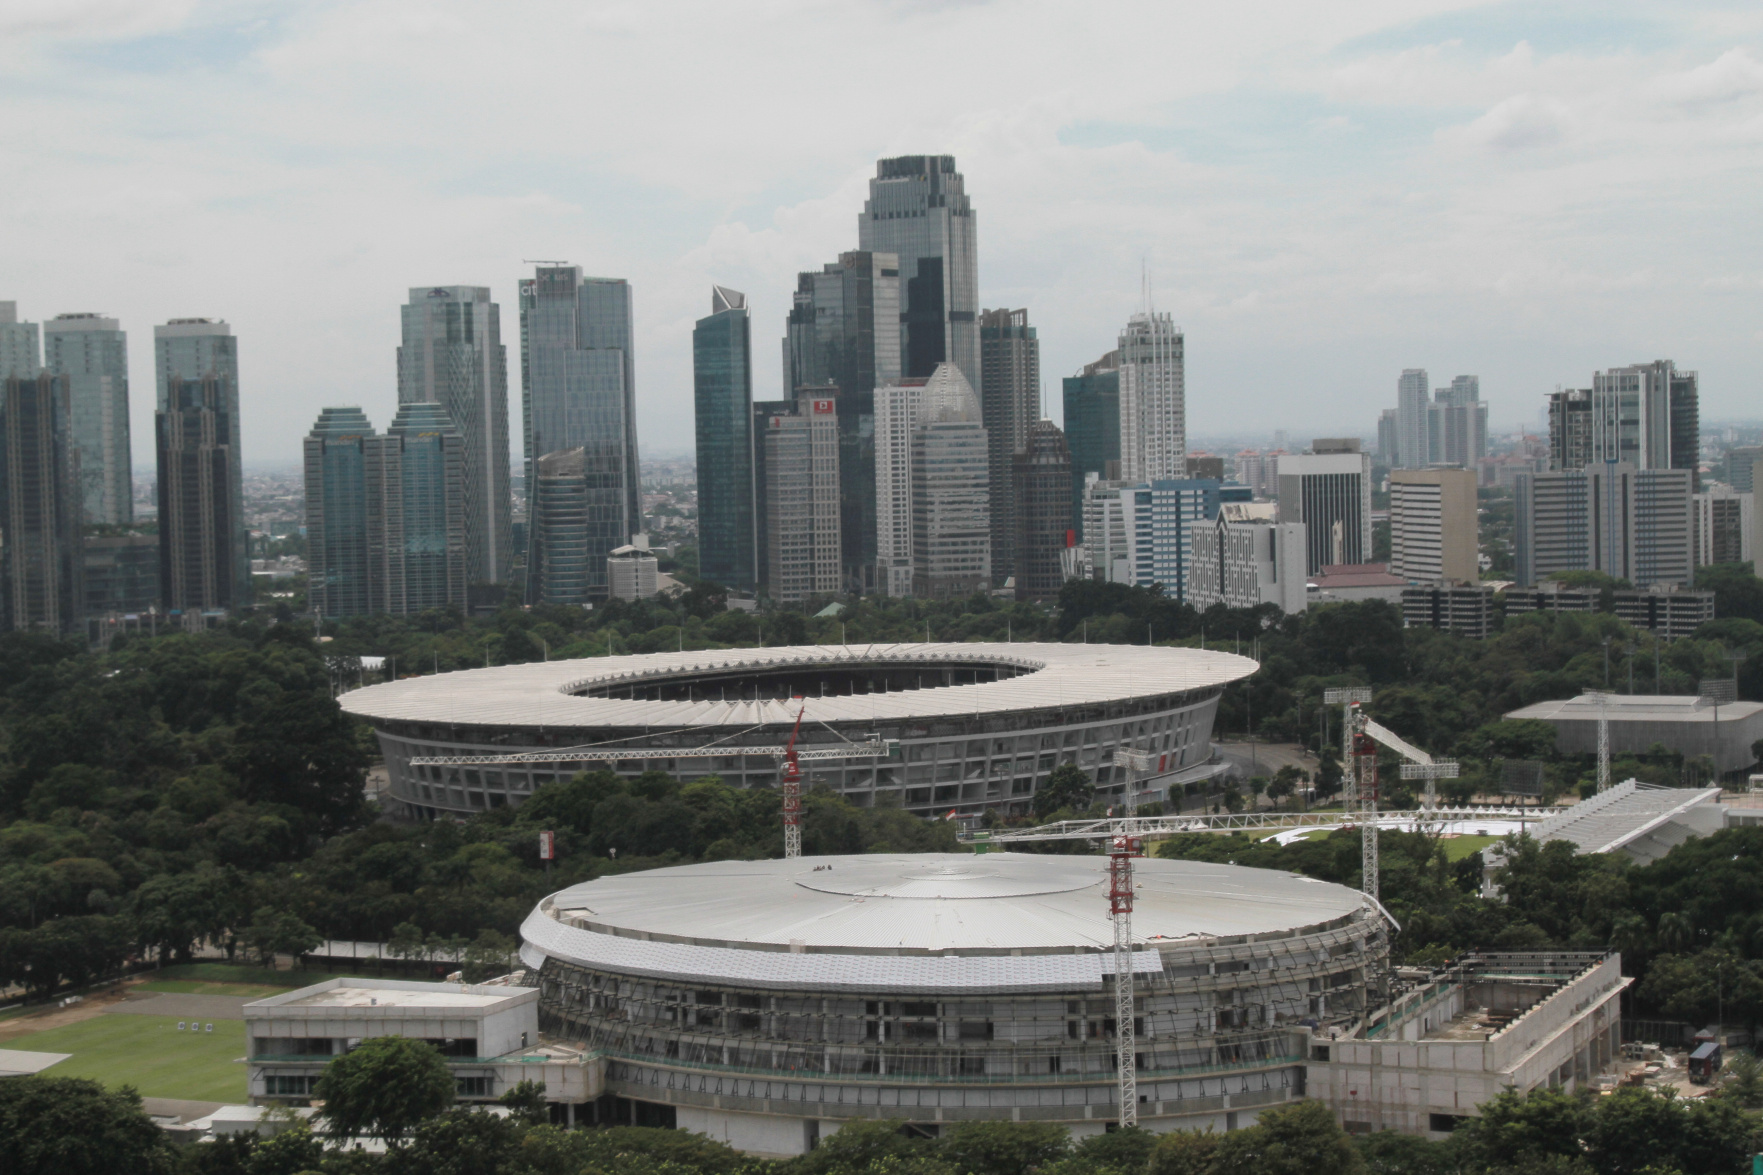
x,y
978,725
767,1003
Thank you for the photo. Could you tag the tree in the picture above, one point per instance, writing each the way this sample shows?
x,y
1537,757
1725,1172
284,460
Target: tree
x,y
293,1151
1301,1138
276,932
488,955
461,1142
71,1126
1003,1148
384,1088
1743,1082
527,1101
1066,788
1183,1152
1328,775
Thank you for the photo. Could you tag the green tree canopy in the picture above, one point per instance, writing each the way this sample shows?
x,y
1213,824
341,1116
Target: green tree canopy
x,y
384,1088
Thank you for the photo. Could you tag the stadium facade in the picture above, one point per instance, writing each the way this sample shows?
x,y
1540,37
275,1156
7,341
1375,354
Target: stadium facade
x,y
767,1003
978,725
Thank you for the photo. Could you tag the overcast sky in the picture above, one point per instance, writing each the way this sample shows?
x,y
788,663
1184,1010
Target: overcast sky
x,y
1327,193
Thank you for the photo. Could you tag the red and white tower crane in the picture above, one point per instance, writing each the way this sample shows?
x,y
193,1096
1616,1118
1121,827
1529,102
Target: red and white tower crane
x,y
1121,851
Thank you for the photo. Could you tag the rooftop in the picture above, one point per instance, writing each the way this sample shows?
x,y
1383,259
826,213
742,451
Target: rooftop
x,y
360,993
1627,812
1637,708
548,693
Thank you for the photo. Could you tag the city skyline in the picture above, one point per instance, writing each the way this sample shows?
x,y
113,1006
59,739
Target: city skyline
x,y
1345,194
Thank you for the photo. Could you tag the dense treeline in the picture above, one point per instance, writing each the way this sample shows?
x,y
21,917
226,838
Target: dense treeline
x,y
207,787
71,1127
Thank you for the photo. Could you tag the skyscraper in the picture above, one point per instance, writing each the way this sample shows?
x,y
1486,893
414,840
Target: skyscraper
x,y
1570,429
844,333
1457,424
565,567
722,379
1634,524
951,498
1041,472
1330,493
1645,415
579,392
896,417
452,355
918,210
1434,527
19,344
1010,400
337,565
92,352
40,506
1386,437
1153,400
803,550
1092,426
1412,450
196,369
200,531
418,470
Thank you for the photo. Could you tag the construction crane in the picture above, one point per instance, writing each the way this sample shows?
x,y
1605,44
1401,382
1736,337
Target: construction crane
x,y
1367,736
1120,854
790,757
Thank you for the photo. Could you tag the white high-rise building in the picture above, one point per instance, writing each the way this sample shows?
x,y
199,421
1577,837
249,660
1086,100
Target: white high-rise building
x,y
92,352
1412,407
1243,560
921,541
1153,400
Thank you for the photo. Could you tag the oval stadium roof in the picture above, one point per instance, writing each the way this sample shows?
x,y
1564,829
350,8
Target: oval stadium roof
x,y
546,694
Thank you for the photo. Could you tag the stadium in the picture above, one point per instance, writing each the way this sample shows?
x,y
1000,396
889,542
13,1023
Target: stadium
x,y
765,1003
977,725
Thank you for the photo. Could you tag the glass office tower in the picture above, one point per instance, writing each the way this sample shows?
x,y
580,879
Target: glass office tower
x,y
203,352
433,468
844,334
92,352
1010,399
452,355
337,513
918,210
201,534
722,383
579,392
1092,426
40,507
20,349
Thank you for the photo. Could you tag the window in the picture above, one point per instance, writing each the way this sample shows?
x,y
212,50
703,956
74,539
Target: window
x,y
473,1086
279,1086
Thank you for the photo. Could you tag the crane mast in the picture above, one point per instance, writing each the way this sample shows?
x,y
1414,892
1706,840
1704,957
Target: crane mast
x,y
792,786
1120,854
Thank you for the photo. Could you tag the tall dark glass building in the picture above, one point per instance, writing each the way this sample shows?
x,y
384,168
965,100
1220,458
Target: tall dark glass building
x,y
1010,399
197,349
918,210
41,506
200,531
843,341
579,392
423,467
338,577
1041,471
564,567
1092,425
722,403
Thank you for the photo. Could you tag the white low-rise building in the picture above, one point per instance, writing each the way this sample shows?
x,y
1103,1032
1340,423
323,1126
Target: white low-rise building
x,y
1242,561
488,1033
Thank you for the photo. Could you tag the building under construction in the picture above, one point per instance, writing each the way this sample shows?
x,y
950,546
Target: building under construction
x,y
766,1003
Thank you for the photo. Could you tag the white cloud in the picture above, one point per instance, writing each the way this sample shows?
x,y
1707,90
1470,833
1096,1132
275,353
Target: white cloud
x,y
1319,214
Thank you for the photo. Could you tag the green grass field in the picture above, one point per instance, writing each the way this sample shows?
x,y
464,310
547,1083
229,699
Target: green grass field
x,y
198,987
149,1053
1459,847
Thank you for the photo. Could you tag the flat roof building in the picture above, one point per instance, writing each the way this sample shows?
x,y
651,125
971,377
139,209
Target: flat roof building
x,y
1689,726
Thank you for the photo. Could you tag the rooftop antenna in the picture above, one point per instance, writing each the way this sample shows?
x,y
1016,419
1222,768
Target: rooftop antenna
x,y
542,261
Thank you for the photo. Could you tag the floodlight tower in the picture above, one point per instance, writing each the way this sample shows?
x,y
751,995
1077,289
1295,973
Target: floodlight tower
x,y
1603,698
1120,854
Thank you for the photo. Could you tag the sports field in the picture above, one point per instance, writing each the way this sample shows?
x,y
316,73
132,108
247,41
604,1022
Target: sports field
x,y
149,1053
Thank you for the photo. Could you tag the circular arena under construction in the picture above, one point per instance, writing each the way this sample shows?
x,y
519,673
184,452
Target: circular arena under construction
x,y
765,1003
966,726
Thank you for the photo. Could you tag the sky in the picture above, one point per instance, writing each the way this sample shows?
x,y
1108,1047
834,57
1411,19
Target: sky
x,y
1321,194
